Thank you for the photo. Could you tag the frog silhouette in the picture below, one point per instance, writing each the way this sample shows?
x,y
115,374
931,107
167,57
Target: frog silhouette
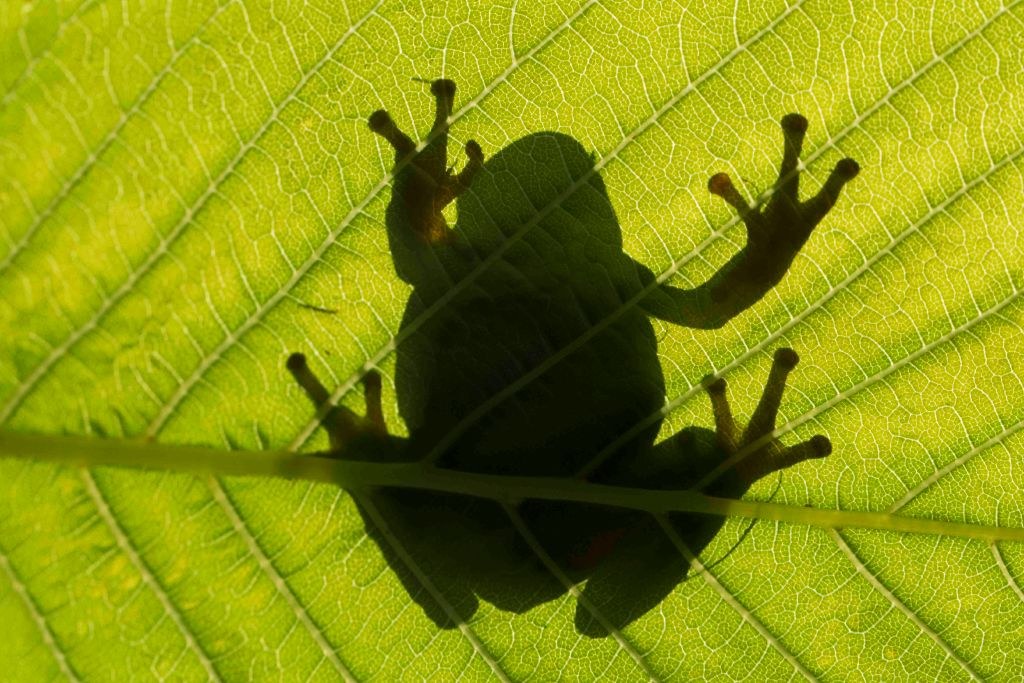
x,y
527,349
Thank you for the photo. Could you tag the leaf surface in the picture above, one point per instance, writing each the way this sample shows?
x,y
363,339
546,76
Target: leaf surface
x,y
181,186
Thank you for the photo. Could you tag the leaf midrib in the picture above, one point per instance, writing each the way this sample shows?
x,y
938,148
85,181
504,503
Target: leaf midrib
x,y
359,474
794,320
165,243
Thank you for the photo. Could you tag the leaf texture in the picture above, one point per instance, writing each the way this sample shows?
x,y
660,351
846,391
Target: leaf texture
x,y
183,181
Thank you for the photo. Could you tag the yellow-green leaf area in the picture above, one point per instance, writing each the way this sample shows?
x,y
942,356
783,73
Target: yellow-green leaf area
x,y
191,193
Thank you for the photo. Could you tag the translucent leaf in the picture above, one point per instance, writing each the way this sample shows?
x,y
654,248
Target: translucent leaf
x,y
185,186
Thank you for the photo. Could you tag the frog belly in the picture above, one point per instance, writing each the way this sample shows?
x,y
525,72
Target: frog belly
x,y
484,391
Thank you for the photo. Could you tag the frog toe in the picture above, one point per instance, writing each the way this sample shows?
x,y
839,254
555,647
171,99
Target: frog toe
x,y
443,90
759,452
458,183
382,124
726,431
817,207
424,182
342,425
818,446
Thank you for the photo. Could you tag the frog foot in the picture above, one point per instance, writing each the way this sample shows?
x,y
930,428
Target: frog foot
x,y
423,180
778,229
343,426
764,453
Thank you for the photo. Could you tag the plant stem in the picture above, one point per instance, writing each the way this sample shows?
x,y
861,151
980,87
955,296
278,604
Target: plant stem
x,y
360,474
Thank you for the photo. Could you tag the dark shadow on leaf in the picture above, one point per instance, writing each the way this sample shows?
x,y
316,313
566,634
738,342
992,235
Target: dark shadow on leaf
x,y
527,349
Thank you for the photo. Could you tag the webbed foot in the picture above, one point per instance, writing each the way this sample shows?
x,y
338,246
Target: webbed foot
x,y
343,426
777,230
764,453
785,223
423,180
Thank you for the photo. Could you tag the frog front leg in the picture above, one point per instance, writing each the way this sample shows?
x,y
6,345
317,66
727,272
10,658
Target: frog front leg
x,y
423,186
776,232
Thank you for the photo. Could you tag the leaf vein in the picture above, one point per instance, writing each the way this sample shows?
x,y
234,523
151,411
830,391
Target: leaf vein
x,y
626,140
166,241
593,330
147,576
94,156
302,615
378,520
733,602
30,65
581,599
39,619
877,584
1010,581
956,464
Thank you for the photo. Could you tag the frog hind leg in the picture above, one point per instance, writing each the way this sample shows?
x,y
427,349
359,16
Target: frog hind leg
x,y
756,452
343,426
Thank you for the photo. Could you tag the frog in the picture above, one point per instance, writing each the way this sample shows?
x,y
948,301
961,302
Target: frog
x,y
527,349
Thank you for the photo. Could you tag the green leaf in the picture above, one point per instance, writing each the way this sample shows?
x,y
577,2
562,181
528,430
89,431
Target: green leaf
x,y
181,186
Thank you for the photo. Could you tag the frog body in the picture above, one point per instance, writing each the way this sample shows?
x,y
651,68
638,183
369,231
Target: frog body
x,y
527,348
539,285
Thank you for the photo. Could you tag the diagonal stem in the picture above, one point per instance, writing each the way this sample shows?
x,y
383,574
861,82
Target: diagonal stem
x,y
361,475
